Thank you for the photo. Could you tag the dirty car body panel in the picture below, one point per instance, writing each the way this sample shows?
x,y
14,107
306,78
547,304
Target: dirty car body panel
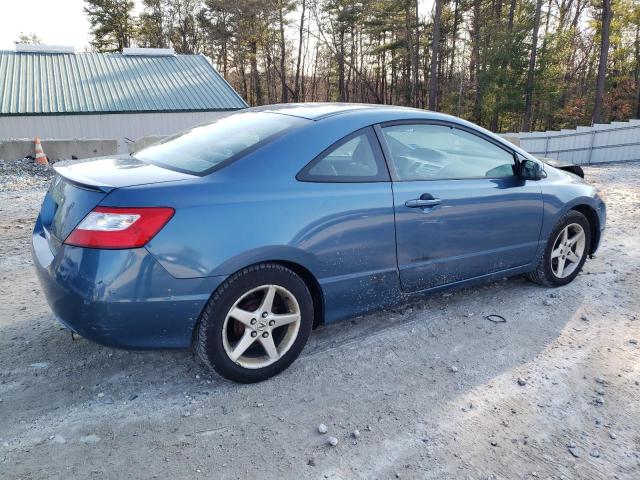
x,y
357,242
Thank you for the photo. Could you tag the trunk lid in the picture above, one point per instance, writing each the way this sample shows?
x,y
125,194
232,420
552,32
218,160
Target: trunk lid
x,y
80,186
64,206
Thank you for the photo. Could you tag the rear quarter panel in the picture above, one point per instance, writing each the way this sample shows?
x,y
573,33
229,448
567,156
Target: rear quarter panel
x,y
254,210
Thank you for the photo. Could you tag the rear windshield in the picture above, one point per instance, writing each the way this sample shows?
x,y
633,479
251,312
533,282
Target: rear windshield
x,y
203,148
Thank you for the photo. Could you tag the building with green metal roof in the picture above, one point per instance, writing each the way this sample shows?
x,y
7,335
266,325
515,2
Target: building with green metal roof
x,y
55,93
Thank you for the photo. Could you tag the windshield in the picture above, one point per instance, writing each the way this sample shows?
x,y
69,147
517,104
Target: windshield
x,y
201,149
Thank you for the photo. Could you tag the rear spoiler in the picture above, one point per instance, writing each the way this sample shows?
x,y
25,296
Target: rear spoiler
x,y
80,181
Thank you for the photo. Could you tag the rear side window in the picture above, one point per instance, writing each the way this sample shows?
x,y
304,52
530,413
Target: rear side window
x,y
356,158
208,147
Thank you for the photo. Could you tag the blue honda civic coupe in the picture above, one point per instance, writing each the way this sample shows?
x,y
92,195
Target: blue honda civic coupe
x,y
239,236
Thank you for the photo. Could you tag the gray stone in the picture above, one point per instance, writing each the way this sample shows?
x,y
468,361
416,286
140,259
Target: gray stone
x,y
333,441
90,439
322,428
40,365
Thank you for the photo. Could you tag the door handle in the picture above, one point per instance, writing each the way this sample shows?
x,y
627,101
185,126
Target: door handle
x,y
422,203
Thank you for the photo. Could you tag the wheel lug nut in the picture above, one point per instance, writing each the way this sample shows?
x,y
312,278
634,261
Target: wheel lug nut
x,y
253,321
272,323
265,314
254,334
265,335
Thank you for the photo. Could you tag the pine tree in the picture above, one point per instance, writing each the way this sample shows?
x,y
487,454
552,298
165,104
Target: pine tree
x,y
112,24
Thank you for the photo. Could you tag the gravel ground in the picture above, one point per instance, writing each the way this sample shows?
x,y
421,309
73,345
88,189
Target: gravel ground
x,y
18,175
434,390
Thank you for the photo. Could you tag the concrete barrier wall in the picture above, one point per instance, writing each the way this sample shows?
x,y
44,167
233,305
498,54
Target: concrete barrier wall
x,y
144,142
125,128
58,149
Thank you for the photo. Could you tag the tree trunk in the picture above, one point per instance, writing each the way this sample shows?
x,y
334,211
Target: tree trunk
x,y
637,75
341,92
283,72
408,18
526,120
255,75
607,15
435,54
416,60
474,65
512,12
454,38
314,86
300,41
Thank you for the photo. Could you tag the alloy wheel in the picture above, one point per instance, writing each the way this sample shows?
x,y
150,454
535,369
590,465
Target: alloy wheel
x,y
568,250
261,326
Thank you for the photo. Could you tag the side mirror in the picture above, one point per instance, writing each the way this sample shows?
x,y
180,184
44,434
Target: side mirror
x,y
530,170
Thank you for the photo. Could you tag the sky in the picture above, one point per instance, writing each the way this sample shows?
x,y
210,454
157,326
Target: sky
x,y
56,22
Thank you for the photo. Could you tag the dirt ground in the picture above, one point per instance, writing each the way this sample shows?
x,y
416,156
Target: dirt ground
x,y
432,389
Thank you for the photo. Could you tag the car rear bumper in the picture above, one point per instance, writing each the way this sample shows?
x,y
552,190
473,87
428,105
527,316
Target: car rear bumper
x,y
120,298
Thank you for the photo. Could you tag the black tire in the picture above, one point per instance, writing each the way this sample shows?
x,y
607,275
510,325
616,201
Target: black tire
x,y
543,274
208,341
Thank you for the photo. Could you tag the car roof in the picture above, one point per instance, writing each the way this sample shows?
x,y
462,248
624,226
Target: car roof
x,y
364,114
318,111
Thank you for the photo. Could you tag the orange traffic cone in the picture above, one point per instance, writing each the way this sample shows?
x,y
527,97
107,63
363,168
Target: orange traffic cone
x,y
41,158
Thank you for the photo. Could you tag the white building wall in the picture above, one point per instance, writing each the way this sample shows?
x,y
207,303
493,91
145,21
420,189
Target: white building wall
x,y
123,127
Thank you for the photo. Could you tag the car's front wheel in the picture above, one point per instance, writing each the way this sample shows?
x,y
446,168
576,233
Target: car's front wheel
x,y
256,323
566,251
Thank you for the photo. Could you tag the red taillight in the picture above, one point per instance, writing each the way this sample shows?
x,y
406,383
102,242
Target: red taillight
x,y
114,227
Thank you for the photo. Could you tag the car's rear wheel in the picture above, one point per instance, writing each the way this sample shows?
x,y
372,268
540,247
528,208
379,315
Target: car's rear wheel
x,y
256,323
566,251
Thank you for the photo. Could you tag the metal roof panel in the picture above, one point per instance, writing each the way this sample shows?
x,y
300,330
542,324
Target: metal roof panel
x,y
34,83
